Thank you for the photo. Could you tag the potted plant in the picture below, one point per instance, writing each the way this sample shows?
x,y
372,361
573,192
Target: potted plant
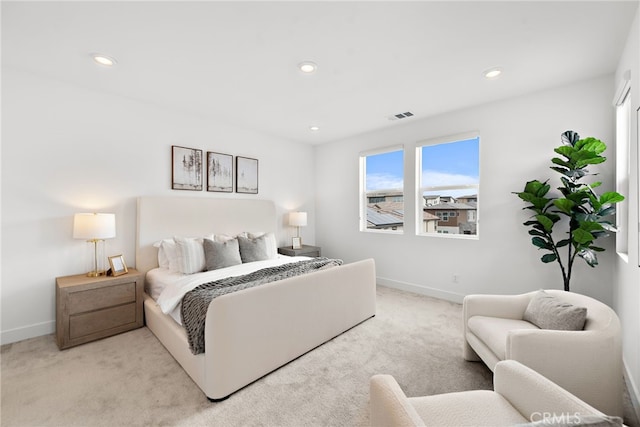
x,y
578,202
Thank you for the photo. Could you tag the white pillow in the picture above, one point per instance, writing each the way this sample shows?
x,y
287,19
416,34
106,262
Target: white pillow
x,y
167,257
190,254
163,261
270,240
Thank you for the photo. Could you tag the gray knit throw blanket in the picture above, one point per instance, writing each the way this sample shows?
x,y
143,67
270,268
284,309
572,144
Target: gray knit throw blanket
x,y
196,302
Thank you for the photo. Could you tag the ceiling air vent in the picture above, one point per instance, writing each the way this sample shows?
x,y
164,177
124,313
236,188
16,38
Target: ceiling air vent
x,y
401,116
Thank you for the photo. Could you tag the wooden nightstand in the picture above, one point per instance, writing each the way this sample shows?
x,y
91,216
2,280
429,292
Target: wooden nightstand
x,y
90,308
306,250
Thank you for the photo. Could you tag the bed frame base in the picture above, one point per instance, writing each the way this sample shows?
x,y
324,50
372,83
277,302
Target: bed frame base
x,y
253,332
291,361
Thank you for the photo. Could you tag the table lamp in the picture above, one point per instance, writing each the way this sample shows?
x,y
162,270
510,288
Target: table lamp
x,y
94,228
297,219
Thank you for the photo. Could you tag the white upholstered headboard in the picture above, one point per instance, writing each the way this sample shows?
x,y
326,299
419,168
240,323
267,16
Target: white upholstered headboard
x,y
161,217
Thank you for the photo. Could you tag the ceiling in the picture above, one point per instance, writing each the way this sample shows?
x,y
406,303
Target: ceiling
x,y
236,62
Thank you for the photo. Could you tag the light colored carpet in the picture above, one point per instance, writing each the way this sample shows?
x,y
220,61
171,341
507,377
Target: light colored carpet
x,y
130,379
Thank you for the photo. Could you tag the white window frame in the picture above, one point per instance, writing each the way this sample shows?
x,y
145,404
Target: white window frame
x,y
363,188
420,189
622,103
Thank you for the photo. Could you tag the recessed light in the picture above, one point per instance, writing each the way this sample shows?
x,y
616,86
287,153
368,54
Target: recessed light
x,y
104,60
314,128
492,73
308,67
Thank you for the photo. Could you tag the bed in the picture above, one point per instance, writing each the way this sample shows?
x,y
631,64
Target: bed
x,y
252,332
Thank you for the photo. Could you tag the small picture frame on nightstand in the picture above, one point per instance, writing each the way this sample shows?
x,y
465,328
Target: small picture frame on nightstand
x,y
118,266
296,242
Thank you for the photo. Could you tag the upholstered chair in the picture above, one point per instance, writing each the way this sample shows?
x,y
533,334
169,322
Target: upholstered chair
x,y
520,396
587,362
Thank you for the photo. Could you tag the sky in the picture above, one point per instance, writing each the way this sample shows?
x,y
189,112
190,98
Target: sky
x,y
443,164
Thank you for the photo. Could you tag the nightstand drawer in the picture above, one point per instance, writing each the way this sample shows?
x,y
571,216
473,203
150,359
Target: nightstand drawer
x,y
102,320
94,299
91,308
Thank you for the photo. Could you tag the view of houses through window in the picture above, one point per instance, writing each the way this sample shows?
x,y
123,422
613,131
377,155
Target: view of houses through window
x,y
448,180
383,204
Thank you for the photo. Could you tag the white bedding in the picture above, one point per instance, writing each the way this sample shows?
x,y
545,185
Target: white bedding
x,y
168,287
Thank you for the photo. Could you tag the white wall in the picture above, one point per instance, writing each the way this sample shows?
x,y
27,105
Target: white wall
x,y
627,272
66,150
517,138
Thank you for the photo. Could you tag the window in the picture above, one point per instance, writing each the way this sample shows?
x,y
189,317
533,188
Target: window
x,y
382,190
622,102
448,182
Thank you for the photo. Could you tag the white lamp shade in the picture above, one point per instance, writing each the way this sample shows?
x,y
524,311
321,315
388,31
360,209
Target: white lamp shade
x,y
298,219
91,226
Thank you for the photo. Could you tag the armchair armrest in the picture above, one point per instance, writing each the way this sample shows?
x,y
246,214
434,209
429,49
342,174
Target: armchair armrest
x,y
533,395
389,406
505,306
566,356
548,345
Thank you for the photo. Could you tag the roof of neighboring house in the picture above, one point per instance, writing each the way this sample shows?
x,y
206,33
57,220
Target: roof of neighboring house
x,y
429,217
388,212
388,206
452,206
381,218
381,193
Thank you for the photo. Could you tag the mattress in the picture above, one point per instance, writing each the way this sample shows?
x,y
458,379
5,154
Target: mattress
x,y
168,287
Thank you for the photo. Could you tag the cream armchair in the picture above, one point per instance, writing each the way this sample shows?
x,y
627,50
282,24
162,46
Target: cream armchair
x,y
521,396
587,363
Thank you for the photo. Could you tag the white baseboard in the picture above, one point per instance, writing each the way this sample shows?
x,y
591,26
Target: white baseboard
x,y
26,332
634,392
422,290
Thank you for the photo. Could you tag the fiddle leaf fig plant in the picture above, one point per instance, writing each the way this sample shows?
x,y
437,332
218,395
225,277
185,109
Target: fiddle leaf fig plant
x,y
578,202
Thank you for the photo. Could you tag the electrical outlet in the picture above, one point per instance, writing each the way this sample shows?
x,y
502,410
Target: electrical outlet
x,y
456,278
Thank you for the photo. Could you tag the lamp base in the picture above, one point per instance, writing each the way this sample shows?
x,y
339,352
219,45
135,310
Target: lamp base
x,y
96,273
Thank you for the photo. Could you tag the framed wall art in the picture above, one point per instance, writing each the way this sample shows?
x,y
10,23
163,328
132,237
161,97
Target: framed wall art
x,y
219,172
186,168
246,175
